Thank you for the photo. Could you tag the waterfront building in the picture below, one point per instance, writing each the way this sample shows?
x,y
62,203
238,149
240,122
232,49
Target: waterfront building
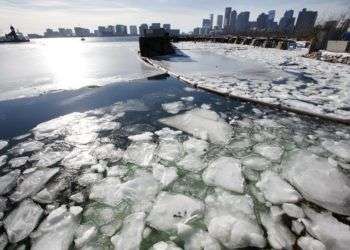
x,y
50,33
101,30
121,30
133,30
286,23
228,11
63,32
142,29
232,24
82,32
206,23
196,31
111,30
174,32
155,26
262,21
305,22
219,21
167,26
212,21
242,24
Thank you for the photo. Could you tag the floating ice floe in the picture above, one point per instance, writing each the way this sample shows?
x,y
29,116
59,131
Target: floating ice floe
x,y
297,227
22,220
278,235
276,190
201,240
324,227
188,98
84,235
173,107
147,136
139,192
195,146
203,124
165,246
107,152
256,163
318,181
57,230
165,175
88,178
81,138
170,149
309,243
18,162
78,197
9,181
226,173
293,210
169,210
3,160
3,144
140,153
3,241
130,236
192,162
271,152
48,158
26,147
33,183
340,149
78,158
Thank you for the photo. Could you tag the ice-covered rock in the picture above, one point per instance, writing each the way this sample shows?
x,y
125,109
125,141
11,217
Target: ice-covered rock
x,y
9,181
309,243
3,144
57,230
162,245
140,153
278,235
130,236
340,149
171,209
195,146
324,227
18,162
26,147
78,158
293,210
139,192
225,172
147,136
271,152
84,235
256,163
192,162
276,190
33,183
165,175
235,232
318,181
203,124
3,160
201,240
173,107
22,220
170,149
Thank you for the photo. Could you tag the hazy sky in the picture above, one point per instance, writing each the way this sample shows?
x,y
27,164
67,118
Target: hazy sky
x,y
36,15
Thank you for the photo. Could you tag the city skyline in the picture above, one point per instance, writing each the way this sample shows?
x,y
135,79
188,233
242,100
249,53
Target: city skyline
x,y
63,13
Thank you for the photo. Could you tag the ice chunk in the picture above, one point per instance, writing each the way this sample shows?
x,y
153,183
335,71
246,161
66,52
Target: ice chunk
x,y
165,175
78,158
173,107
340,149
309,243
165,246
276,190
192,162
271,152
297,227
147,136
51,191
107,152
188,98
3,144
166,133
170,149
130,236
22,221
293,210
201,240
57,230
33,183
26,147
18,162
3,241
140,153
84,235
81,138
279,235
225,172
88,179
139,192
49,158
323,226
203,124
117,171
236,232
171,209
195,146
256,163
318,181
78,197
3,160
8,182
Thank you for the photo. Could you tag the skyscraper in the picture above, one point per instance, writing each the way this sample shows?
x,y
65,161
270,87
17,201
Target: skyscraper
x,y
306,22
242,24
232,24
286,24
228,11
262,21
142,29
121,30
212,20
133,30
219,21
167,26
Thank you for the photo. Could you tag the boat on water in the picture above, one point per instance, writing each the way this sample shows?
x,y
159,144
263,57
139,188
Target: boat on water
x,y
14,37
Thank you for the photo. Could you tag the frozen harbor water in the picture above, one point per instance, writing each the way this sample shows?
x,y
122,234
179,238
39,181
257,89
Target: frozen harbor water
x,y
154,164
267,75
